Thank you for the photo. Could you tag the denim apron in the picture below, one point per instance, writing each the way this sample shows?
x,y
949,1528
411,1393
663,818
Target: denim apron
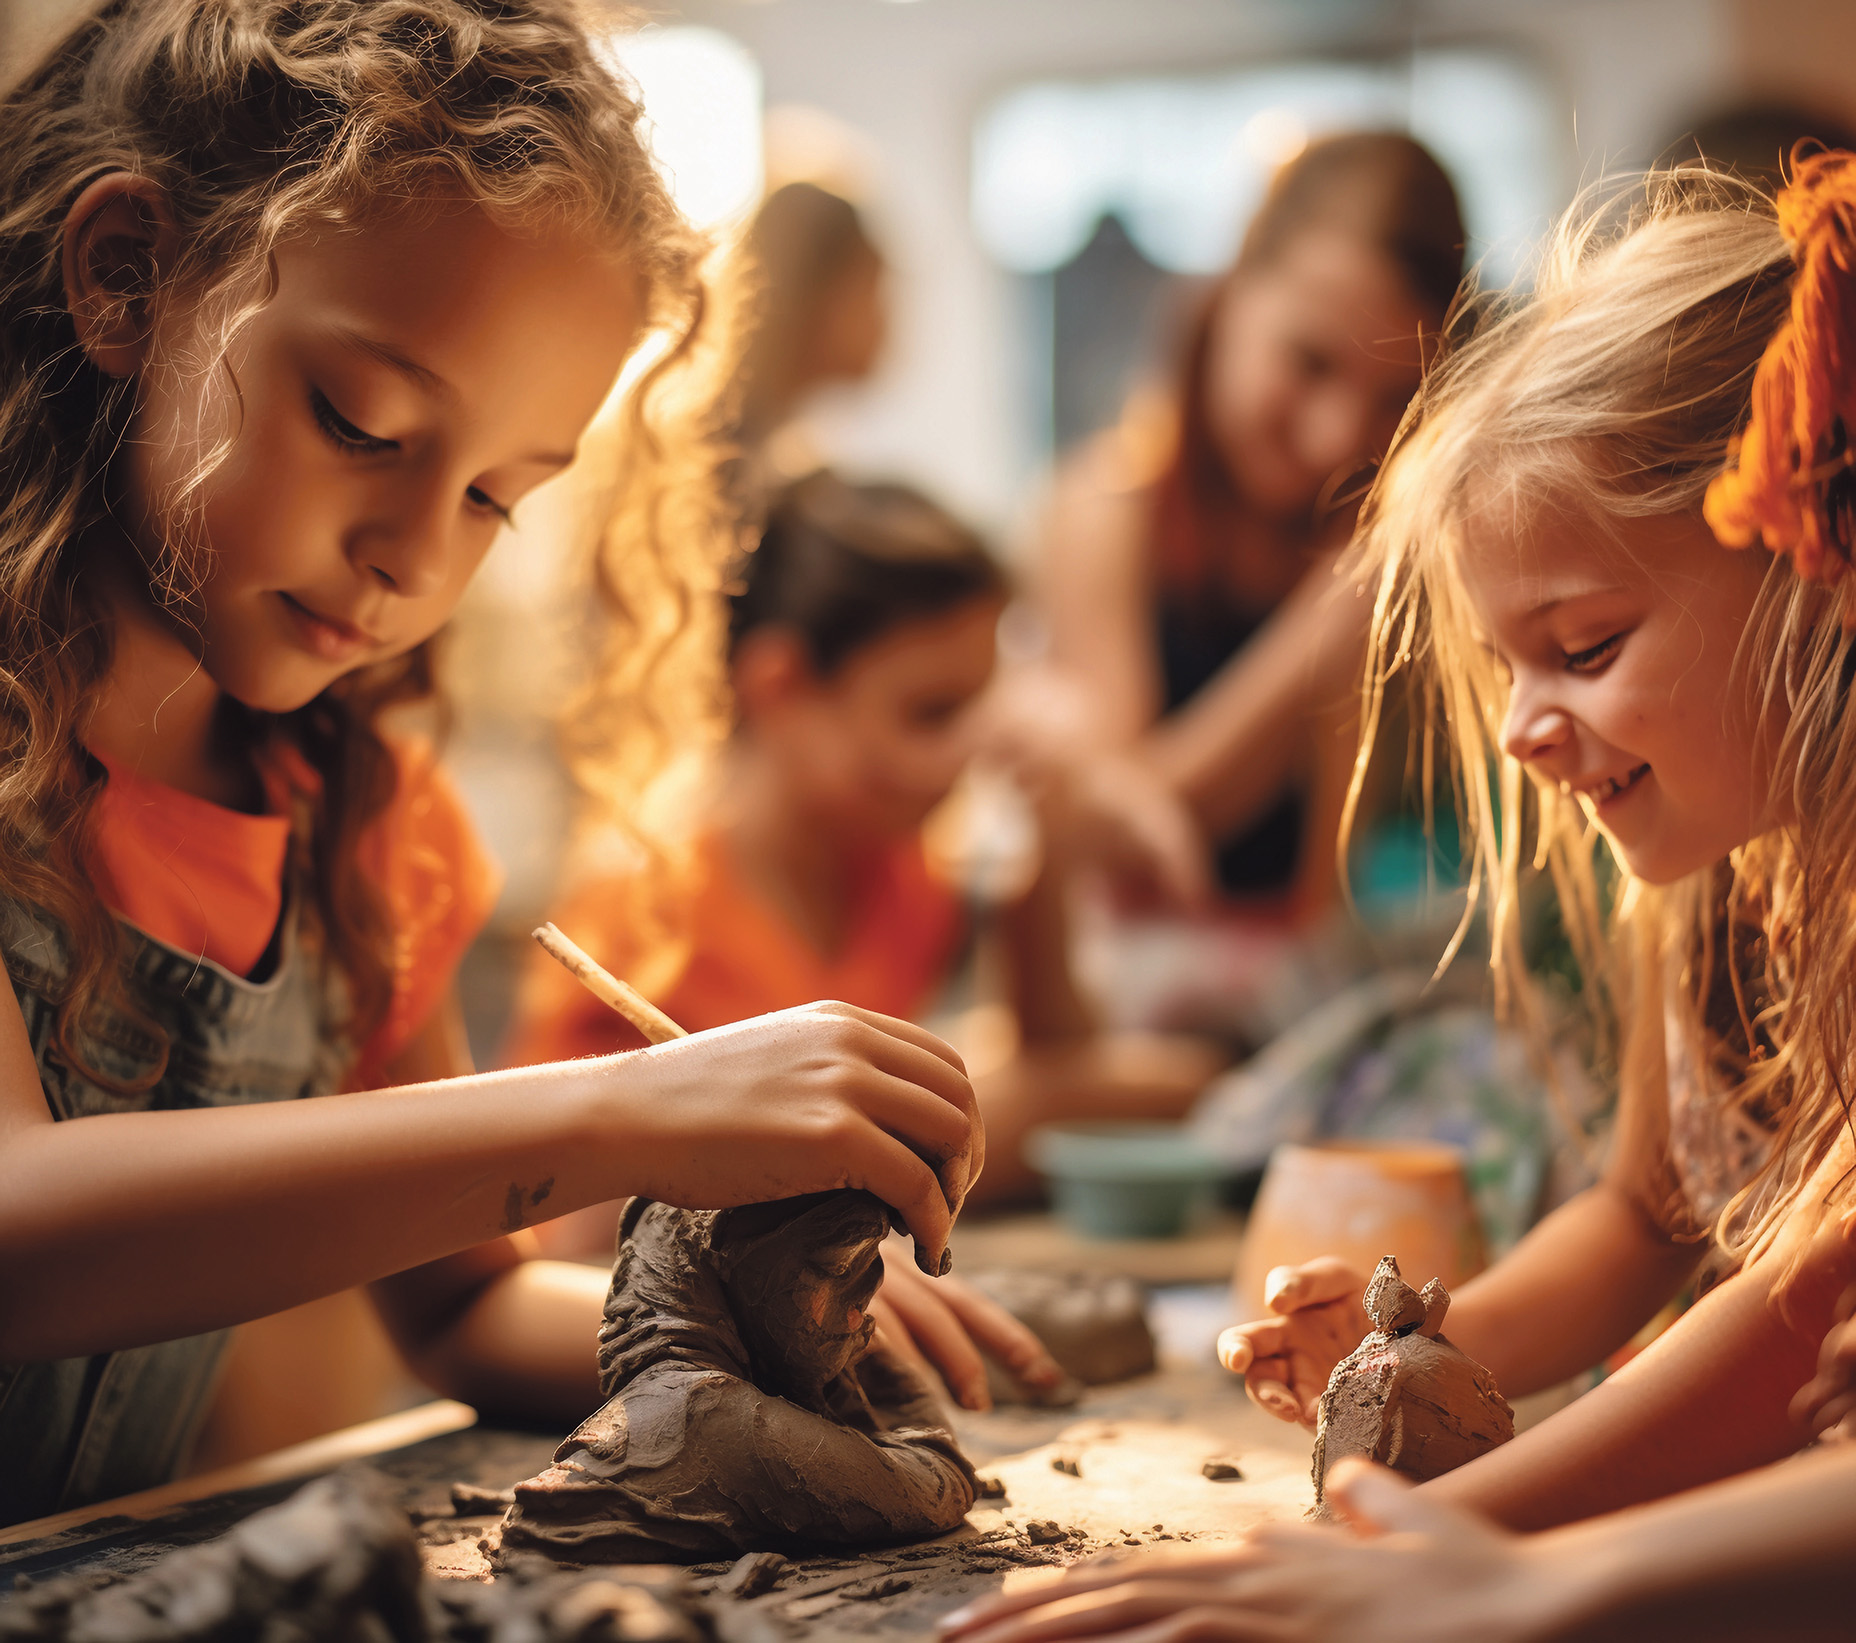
x,y
84,1429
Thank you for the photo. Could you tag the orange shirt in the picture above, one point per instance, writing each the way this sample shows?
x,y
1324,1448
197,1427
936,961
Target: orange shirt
x,y
743,957
209,880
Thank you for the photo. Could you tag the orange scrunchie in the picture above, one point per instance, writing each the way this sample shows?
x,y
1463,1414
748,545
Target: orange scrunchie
x,y
1776,489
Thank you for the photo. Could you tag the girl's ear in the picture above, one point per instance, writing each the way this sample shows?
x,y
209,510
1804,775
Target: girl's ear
x,y
118,235
770,667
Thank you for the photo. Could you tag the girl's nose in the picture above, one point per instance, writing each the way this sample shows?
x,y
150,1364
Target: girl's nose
x,y
411,553
1534,730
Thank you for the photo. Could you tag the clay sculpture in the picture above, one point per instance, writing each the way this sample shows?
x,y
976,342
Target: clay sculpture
x,y
745,1408
1406,1397
1094,1326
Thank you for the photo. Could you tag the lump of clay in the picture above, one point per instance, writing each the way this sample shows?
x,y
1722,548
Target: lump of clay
x,y
336,1561
1094,1326
745,1409
1406,1397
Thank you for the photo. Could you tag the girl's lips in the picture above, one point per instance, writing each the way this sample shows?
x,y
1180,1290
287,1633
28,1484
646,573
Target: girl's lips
x,y
1614,788
325,636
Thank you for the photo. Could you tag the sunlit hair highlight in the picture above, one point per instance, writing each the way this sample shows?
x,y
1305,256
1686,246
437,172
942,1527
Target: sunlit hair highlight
x,y
1607,394
258,120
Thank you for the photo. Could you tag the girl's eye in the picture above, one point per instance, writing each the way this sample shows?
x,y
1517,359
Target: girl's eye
x,y
1593,659
478,497
343,434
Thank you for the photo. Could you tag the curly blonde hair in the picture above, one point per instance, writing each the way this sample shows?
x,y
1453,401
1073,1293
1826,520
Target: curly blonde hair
x,y
1614,390
258,119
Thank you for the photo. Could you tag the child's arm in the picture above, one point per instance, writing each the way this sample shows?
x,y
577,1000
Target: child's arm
x,y
1707,1398
1035,931
139,1227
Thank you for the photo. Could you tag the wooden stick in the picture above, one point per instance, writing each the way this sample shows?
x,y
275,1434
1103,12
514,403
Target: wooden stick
x,y
657,1027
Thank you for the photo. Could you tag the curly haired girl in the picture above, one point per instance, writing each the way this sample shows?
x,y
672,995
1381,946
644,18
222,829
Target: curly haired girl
x,y
297,302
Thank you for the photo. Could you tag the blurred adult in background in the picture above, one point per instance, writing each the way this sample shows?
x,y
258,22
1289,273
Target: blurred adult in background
x,y
820,320
1183,566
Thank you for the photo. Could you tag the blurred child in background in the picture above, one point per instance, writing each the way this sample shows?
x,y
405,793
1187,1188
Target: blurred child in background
x,y
820,318
860,637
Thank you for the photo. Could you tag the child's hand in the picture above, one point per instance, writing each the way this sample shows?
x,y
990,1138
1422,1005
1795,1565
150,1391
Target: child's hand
x,y
1426,1574
943,1324
1826,1405
810,1099
1286,1359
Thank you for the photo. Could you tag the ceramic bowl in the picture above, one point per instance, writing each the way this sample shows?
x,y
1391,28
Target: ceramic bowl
x,y
1125,1180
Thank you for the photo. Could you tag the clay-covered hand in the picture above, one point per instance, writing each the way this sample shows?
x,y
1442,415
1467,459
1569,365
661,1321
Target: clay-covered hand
x,y
944,1324
1432,1575
1826,1404
1317,1316
824,1096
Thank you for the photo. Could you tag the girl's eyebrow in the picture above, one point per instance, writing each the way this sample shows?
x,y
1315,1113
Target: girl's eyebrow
x,y
427,381
382,353
1552,595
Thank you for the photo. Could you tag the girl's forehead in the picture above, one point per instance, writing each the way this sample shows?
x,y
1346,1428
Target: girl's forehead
x,y
1515,552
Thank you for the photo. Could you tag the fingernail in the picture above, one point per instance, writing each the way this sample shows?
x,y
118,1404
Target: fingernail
x,y
947,1260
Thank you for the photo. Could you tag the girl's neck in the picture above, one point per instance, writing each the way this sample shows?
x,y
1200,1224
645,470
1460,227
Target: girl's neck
x,y
159,713
799,868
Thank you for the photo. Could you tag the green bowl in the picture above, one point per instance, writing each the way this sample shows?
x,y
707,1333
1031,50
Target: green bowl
x,y
1125,1180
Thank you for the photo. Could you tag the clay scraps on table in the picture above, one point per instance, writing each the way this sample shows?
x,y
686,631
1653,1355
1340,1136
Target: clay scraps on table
x,y
1094,1326
1406,1397
336,1560
746,1410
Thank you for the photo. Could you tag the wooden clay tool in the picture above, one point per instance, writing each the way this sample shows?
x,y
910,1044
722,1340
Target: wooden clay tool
x,y
657,1027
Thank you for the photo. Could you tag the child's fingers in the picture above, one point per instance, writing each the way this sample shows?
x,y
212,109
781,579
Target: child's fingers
x,y
1313,1283
1243,1344
1833,1413
913,1058
897,1175
1272,1395
892,1338
932,1326
996,1331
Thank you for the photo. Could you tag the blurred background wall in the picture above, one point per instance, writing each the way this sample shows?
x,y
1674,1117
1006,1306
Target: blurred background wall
x,y
1047,178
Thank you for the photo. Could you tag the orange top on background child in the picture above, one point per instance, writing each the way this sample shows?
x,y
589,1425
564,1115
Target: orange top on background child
x,y
861,635
296,305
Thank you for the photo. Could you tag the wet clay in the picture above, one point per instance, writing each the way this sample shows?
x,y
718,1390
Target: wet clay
x,y
1095,1327
336,1561
1406,1397
745,1408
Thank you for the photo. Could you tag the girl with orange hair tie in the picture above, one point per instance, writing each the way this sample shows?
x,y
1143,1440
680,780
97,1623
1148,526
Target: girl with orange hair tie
x,y
1641,655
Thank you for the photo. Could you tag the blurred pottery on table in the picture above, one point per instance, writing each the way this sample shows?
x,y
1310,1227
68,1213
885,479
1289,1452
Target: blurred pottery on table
x,y
1125,1180
1360,1200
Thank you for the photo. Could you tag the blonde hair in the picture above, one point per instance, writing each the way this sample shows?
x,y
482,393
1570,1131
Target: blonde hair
x,y
258,119
1612,392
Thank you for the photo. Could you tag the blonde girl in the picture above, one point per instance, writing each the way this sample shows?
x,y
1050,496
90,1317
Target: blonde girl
x,y
1638,653
297,302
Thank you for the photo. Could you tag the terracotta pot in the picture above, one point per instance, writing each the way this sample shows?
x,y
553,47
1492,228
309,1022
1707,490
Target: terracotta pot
x,y
1360,1200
